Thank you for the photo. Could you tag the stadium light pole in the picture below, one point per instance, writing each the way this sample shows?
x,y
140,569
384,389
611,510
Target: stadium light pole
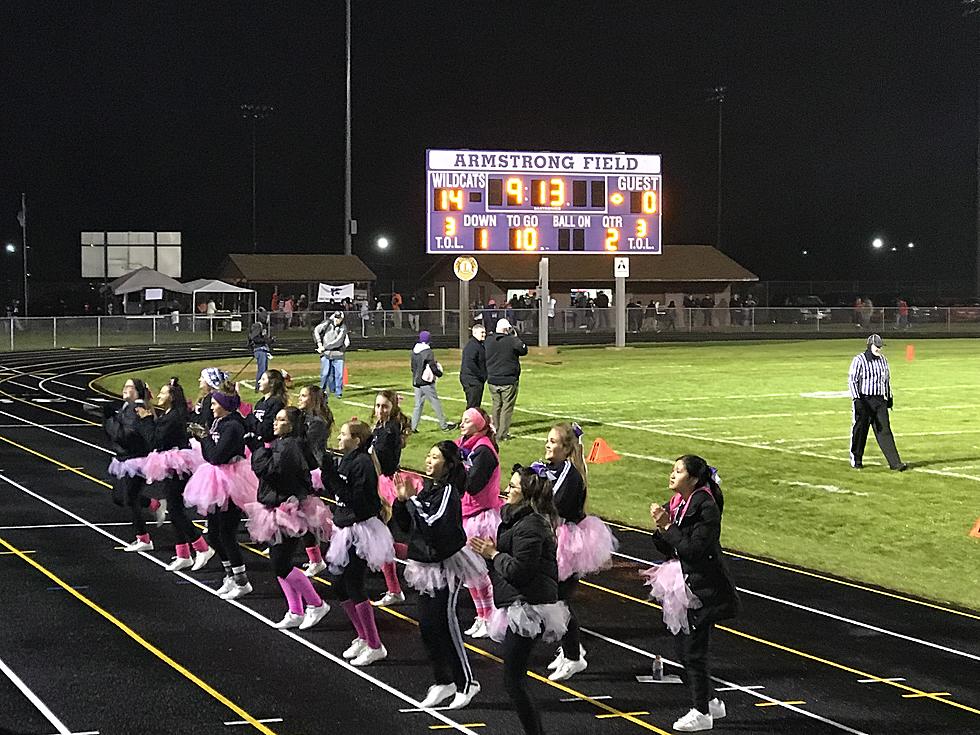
x,y
972,8
718,95
255,113
348,222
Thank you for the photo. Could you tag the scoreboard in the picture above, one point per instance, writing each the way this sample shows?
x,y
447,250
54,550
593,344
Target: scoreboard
x,y
524,201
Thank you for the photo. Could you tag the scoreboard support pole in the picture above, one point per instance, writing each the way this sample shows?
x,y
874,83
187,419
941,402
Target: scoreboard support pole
x,y
620,312
544,296
464,313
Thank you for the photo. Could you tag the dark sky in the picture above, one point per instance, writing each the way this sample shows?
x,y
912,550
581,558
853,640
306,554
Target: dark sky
x,y
845,119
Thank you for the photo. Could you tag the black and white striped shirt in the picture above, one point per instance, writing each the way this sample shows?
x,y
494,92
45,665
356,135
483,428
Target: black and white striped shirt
x,y
869,376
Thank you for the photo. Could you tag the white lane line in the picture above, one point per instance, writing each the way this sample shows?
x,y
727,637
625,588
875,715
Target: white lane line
x,y
68,385
35,700
739,689
66,525
245,722
832,616
20,385
751,691
878,681
22,426
249,611
579,699
55,431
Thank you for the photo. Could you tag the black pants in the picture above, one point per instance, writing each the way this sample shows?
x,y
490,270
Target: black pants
x,y
872,411
474,395
128,491
517,653
281,555
570,642
692,651
350,584
185,532
223,534
443,641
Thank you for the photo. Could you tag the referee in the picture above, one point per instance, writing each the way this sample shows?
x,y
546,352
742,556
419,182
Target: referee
x,y
870,388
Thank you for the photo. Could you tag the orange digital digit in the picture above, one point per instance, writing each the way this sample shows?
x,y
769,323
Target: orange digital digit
x,y
482,238
449,229
648,202
448,199
641,228
515,191
530,238
557,192
612,238
616,198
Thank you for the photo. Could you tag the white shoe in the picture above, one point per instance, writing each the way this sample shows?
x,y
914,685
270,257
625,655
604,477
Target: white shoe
x,y
237,590
314,615
226,586
313,568
437,694
716,708
464,698
138,545
389,599
179,564
560,658
160,514
290,620
694,721
568,669
369,656
476,626
355,649
201,559
480,631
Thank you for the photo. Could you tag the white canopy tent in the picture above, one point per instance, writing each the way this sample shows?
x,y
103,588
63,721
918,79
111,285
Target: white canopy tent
x,y
211,286
143,278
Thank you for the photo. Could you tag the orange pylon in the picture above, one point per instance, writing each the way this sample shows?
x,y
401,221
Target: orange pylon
x,y
975,531
601,452
910,352
346,376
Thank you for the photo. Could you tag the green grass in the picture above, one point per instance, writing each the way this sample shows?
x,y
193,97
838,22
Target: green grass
x,y
782,454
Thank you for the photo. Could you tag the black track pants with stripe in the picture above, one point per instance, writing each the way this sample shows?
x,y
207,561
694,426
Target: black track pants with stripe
x,y
872,411
443,639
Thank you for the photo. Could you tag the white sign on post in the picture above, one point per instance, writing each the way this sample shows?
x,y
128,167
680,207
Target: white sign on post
x,y
327,292
621,268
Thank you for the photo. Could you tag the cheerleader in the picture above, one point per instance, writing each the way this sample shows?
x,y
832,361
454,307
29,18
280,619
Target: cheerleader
x,y
275,397
439,563
285,511
585,543
693,586
170,463
524,570
210,380
319,423
391,430
223,485
481,501
360,540
123,427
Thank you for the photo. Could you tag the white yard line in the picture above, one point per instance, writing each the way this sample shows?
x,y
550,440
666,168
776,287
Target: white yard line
x,y
35,700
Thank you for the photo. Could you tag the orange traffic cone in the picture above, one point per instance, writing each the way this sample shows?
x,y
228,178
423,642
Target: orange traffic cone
x,y
601,452
910,352
975,531
346,376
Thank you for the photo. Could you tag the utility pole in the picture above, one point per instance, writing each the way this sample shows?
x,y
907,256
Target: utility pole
x,y
22,219
348,221
255,113
718,95
972,7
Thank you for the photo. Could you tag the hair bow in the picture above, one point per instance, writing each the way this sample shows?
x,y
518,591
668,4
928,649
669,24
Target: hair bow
x,y
579,431
541,470
714,475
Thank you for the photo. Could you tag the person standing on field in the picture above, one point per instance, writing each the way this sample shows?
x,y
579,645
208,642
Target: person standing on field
x,y
473,367
332,341
504,350
425,371
870,387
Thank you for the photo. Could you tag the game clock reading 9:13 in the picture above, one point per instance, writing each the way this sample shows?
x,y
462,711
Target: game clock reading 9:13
x,y
519,201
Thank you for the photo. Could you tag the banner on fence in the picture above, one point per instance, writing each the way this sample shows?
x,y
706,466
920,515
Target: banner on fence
x,y
327,292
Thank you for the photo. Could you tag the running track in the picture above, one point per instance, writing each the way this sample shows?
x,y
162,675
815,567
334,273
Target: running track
x,y
93,640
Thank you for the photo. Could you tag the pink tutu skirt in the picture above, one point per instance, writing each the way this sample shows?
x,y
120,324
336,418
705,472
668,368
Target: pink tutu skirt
x,y
292,518
550,621
482,525
386,485
316,479
371,541
669,588
213,486
171,463
464,567
127,468
584,548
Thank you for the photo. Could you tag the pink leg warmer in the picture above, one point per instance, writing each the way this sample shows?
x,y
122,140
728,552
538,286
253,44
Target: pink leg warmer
x,y
183,551
293,597
314,554
365,612
483,599
302,584
144,537
200,545
351,609
391,577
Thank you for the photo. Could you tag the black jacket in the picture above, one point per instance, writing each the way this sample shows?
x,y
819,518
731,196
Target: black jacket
x,y
258,335
203,414
225,440
473,366
127,432
569,489
434,519
386,442
526,569
696,542
422,355
167,431
282,470
503,365
353,483
259,422
481,464
317,437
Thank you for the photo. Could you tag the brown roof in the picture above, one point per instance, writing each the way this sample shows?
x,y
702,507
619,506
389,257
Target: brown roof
x,y
679,263
296,268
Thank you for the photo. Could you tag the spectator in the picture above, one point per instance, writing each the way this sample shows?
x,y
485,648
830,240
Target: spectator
x,y
902,319
504,350
867,311
858,304
602,310
212,308
332,341
749,310
735,309
634,315
396,308
258,343
707,307
287,310
668,316
414,318
473,367
425,372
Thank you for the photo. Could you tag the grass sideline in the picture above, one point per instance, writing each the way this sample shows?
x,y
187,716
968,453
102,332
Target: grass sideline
x,y
774,420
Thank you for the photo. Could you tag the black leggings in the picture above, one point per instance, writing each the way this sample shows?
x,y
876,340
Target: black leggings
x,y
223,534
350,584
570,642
692,651
185,532
443,641
281,555
517,652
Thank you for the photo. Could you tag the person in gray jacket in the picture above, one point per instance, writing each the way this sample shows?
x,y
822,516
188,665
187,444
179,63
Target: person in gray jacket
x,y
504,350
332,341
425,372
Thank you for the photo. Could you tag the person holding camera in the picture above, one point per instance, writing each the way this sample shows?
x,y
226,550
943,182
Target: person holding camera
x,y
332,341
869,383
504,350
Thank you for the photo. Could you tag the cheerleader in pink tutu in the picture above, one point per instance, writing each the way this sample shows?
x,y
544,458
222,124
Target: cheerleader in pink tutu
x,y
360,540
481,501
285,511
585,543
439,563
319,423
209,381
223,485
169,465
694,585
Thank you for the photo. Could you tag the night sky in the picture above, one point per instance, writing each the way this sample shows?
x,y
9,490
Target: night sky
x,y
844,120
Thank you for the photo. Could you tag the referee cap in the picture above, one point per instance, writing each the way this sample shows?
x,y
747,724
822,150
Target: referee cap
x,y
875,341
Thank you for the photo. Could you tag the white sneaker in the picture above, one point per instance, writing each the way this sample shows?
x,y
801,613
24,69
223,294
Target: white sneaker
x,y
464,698
314,615
160,514
568,669
560,658
201,559
389,599
226,586
369,656
313,568
437,694
716,708
237,590
138,545
178,564
355,649
480,631
476,626
694,721
290,620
